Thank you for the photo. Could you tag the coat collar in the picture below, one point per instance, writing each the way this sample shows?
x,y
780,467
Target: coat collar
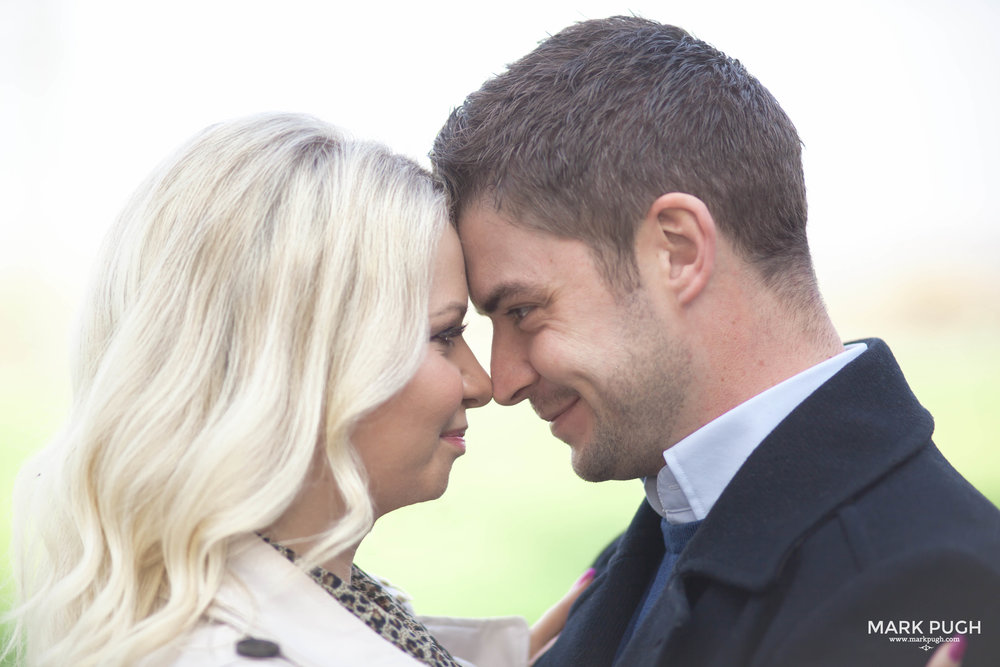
x,y
270,598
860,424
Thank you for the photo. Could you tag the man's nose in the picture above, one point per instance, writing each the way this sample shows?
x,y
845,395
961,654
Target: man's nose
x,y
512,372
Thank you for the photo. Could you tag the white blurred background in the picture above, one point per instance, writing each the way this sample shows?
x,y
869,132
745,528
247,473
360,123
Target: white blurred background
x,y
896,102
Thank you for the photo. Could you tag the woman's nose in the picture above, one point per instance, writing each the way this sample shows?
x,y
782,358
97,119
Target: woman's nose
x,y
476,385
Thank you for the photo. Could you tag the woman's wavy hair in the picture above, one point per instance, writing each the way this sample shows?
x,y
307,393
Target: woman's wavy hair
x,y
264,289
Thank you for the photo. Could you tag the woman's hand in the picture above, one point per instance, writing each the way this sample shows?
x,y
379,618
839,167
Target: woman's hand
x,y
949,654
547,628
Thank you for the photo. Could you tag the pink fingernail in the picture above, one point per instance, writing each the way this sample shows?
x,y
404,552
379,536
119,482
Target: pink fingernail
x,y
585,577
958,646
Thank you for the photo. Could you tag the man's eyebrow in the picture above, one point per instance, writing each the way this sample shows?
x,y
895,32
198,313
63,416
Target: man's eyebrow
x,y
503,292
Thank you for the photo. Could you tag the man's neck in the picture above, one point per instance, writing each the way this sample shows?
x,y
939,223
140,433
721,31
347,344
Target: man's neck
x,y
753,341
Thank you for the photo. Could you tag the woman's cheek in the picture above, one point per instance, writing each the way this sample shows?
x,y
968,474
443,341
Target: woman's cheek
x,y
438,386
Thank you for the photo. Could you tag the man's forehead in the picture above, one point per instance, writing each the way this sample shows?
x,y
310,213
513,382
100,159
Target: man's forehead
x,y
508,261
490,240
480,212
493,269
490,232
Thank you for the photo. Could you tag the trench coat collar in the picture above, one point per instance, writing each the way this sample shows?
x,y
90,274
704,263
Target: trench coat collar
x,y
271,598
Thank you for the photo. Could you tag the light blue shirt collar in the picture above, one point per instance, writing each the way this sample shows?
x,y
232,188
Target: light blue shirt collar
x,y
699,467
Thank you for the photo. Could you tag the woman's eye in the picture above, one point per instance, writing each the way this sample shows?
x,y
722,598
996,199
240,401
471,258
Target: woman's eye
x,y
449,335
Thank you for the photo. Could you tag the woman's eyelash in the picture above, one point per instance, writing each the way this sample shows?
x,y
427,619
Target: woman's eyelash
x,y
449,335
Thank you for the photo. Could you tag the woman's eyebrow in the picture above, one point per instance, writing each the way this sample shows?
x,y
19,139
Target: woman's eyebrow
x,y
456,307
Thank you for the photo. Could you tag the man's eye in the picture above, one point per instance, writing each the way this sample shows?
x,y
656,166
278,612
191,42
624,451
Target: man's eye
x,y
519,313
449,335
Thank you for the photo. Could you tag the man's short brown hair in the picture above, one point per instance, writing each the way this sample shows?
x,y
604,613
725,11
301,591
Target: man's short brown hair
x,y
580,136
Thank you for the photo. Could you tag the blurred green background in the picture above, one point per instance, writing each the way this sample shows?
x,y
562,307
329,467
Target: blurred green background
x,y
516,527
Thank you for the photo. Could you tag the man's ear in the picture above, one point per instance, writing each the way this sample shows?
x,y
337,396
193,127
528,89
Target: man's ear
x,y
678,233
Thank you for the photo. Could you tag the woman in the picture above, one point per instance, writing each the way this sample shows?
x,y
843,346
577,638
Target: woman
x,y
257,382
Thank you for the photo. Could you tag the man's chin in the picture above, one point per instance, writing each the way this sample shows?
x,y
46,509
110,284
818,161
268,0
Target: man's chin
x,y
596,464
591,470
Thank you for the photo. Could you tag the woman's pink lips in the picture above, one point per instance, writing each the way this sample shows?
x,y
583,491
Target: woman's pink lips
x,y
456,438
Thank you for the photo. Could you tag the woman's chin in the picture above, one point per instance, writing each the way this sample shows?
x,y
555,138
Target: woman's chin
x,y
429,492
436,492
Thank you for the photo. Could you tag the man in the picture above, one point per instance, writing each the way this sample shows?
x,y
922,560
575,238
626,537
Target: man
x,y
632,208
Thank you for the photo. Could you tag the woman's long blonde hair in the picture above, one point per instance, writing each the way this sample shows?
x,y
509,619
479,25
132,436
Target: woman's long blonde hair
x,y
264,288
